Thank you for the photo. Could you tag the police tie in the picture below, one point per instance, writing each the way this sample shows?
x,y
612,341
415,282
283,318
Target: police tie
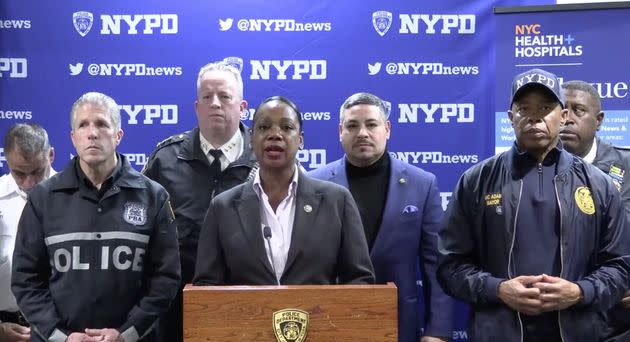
x,y
215,167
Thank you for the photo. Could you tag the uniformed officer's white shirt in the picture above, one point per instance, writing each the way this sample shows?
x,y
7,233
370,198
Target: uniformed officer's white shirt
x,y
12,202
232,149
590,156
280,222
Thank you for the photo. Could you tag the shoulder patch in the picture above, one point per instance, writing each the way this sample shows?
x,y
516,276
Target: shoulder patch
x,y
171,140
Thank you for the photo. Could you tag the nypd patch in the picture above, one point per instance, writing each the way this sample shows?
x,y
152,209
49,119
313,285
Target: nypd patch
x,y
82,22
135,213
617,174
382,21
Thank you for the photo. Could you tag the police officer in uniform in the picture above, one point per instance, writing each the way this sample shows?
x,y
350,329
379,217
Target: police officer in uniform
x,y
578,136
197,165
96,256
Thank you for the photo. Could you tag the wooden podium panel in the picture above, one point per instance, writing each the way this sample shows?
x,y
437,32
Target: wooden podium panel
x,y
336,312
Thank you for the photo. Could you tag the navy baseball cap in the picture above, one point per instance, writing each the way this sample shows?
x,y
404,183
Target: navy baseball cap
x,y
536,78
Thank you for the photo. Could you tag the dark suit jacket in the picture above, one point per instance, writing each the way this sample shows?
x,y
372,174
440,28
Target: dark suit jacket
x,y
411,218
328,245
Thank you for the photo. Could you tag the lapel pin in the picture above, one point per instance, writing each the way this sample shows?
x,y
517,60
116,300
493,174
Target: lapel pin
x,y
402,181
308,208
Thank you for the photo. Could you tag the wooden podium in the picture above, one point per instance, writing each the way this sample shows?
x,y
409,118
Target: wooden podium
x,y
335,313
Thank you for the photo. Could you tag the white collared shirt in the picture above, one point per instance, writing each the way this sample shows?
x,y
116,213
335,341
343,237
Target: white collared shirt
x,y
12,202
590,156
232,149
280,222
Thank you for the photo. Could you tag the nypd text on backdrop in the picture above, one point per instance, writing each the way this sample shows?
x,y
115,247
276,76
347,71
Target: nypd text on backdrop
x,y
14,24
297,69
425,23
14,67
166,114
248,115
418,68
434,157
126,23
111,69
277,25
442,112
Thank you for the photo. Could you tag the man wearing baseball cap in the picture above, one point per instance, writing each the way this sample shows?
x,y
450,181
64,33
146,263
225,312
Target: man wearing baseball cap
x,y
534,238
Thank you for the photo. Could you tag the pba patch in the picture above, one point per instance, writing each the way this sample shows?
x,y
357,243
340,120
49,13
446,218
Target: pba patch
x,y
135,213
382,21
82,22
290,325
584,200
236,62
617,173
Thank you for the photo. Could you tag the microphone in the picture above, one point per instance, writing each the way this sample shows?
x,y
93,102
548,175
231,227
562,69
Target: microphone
x,y
267,236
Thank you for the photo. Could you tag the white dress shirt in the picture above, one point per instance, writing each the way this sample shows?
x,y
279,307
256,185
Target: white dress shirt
x,y
590,156
232,149
280,222
12,202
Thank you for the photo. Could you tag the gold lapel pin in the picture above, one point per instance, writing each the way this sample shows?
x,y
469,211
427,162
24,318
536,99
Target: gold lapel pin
x,y
308,208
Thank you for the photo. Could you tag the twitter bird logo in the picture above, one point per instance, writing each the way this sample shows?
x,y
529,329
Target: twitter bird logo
x,y
373,69
226,24
75,69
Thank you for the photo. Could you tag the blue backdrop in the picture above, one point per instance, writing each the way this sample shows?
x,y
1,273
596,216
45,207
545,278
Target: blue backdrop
x,y
434,61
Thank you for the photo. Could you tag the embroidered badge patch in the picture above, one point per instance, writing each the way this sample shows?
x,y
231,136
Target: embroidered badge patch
x,y
135,213
584,200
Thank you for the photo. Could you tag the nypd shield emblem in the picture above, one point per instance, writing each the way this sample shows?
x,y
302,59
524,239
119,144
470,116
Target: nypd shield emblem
x,y
236,62
382,21
290,325
82,22
135,213
388,108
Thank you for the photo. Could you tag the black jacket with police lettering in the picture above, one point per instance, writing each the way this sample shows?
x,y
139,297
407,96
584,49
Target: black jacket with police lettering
x,y
476,245
82,262
180,166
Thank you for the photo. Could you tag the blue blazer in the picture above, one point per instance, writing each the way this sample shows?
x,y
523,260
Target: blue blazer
x,y
411,219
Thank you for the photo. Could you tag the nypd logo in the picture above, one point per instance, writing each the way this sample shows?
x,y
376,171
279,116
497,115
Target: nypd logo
x,y
137,159
110,69
8,24
236,62
425,23
82,22
273,25
13,67
382,21
135,213
431,113
131,24
280,70
420,68
150,114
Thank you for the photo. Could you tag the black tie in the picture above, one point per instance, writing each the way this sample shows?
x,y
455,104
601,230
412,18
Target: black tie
x,y
215,167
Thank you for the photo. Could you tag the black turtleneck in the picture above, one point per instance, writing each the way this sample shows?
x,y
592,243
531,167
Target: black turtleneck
x,y
368,186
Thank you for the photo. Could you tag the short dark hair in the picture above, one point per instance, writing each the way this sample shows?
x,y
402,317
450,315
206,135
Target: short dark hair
x,y
364,99
284,100
585,87
28,139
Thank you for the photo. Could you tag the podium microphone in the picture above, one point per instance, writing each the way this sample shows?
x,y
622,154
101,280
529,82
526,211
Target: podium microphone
x,y
267,235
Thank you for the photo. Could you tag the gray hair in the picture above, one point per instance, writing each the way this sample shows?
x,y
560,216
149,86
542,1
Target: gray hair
x,y
364,99
100,100
585,87
29,140
222,66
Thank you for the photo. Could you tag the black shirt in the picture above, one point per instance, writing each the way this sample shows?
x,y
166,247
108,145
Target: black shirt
x,y
368,186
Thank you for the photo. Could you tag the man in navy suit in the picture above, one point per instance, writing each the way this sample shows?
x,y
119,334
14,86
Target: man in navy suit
x,y
401,212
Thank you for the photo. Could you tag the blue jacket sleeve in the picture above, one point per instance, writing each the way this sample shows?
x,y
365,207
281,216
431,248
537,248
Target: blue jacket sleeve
x,y
459,272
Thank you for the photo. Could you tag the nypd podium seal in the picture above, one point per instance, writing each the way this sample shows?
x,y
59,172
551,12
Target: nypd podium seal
x,y
290,325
